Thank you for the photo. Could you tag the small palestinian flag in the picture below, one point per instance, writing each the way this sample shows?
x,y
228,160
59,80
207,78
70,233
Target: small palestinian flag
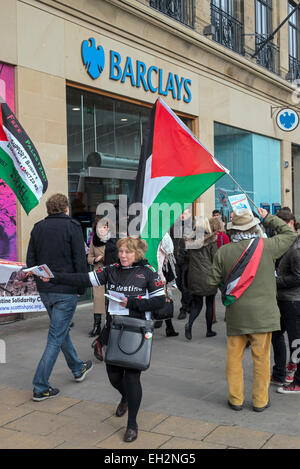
x,y
174,170
242,273
20,164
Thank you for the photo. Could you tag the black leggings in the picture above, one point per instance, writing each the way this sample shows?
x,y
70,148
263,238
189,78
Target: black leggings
x,y
127,382
196,306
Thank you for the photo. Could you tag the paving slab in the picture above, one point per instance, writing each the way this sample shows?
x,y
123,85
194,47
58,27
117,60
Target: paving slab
x,y
185,428
146,440
282,441
39,423
243,438
181,443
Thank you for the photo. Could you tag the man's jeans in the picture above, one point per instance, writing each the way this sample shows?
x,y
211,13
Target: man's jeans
x,y
61,308
290,323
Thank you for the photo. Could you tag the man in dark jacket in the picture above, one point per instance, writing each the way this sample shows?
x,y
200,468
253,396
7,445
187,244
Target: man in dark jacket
x,y
58,242
288,296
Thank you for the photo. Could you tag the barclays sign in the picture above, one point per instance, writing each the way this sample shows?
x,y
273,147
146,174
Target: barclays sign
x,y
152,79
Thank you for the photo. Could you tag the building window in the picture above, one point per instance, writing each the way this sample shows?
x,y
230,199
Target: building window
x,y
180,10
269,56
254,160
294,43
226,28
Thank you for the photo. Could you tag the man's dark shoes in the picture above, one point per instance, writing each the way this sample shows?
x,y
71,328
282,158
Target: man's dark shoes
x,y
130,435
188,331
86,368
171,333
211,334
182,315
237,408
121,409
41,396
261,409
157,324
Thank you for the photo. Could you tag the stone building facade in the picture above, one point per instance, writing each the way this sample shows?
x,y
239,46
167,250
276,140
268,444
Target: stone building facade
x,y
228,99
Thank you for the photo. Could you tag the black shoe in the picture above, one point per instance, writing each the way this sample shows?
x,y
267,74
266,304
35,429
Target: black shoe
x,y
86,368
171,333
121,409
261,409
130,435
211,334
41,396
96,327
235,407
157,324
188,331
182,315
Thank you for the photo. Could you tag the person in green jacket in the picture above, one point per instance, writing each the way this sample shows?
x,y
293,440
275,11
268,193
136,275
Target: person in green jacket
x,y
255,314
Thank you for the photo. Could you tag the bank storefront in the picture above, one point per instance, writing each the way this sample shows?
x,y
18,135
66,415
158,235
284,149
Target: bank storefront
x,y
105,128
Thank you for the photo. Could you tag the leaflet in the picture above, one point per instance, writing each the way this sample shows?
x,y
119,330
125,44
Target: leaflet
x,y
113,298
114,306
40,271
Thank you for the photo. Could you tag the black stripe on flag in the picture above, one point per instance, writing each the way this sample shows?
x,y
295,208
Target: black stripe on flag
x,y
11,123
146,152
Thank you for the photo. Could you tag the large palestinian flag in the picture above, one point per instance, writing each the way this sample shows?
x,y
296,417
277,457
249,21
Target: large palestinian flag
x,y
20,164
174,170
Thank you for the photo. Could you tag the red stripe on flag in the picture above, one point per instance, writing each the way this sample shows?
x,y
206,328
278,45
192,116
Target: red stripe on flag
x,y
3,136
175,152
249,272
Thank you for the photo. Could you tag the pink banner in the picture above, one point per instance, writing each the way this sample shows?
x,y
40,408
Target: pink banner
x,y
8,232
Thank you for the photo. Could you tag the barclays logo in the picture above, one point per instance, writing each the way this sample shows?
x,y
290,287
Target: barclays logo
x,y
287,120
151,78
93,58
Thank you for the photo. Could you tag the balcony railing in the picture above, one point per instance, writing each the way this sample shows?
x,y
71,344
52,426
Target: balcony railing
x,y
227,30
294,68
269,56
180,10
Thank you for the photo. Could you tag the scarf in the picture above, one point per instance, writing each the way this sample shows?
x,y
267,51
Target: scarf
x,y
240,236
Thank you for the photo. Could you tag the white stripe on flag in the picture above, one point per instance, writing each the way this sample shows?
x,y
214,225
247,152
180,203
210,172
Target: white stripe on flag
x,y
21,159
152,187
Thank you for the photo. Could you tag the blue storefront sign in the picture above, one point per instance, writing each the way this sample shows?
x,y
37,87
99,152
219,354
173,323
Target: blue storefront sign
x,y
151,78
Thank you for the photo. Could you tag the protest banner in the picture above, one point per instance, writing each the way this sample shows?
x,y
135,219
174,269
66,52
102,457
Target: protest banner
x,y
18,292
239,202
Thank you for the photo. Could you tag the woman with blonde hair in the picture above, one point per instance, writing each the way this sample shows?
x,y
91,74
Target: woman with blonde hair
x,y
142,291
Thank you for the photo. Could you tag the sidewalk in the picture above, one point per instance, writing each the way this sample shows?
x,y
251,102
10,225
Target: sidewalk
x,y
68,423
184,403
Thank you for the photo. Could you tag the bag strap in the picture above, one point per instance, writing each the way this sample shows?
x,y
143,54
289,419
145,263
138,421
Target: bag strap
x,y
142,330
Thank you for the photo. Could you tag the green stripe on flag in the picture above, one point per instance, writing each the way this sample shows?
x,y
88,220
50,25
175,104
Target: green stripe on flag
x,y
10,175
183,190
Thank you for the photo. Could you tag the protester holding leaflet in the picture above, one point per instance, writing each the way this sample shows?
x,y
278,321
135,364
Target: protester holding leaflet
x,y
134,280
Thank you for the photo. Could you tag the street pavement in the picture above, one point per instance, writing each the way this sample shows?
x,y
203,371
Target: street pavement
x,y
184,395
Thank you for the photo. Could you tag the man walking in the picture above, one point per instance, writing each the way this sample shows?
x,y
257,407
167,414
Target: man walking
x,y
245,269
58,242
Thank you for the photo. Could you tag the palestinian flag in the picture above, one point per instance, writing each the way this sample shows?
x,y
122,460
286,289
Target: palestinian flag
x,y
20,164
174,170
242,273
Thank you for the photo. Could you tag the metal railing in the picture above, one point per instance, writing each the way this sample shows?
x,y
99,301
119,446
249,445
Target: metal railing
x,y
180,10
294,68
227,30
269,56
